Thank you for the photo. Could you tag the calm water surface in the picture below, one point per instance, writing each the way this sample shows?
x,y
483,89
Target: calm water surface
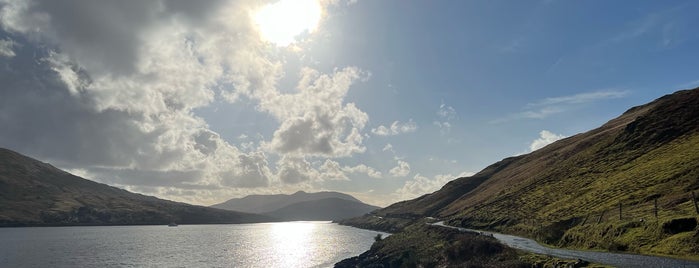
x,y
286,244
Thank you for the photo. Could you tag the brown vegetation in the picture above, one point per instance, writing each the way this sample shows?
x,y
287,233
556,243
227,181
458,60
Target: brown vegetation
x,y
33,193
626,186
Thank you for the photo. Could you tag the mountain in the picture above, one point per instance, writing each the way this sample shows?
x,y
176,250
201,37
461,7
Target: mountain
x,y
326,209
269,203
33,193
628,185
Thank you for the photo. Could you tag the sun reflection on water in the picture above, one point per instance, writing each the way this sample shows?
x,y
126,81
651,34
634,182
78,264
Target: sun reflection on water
x,y
292,242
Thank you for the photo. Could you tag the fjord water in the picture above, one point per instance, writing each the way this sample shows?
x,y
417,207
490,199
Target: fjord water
x,y
285,244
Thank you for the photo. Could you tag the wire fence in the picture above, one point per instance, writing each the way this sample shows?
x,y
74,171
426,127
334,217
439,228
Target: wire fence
x,y
653,208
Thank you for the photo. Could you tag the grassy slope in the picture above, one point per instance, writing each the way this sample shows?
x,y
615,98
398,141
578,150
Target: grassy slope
x,y
420,245
650,152
33,193
558,193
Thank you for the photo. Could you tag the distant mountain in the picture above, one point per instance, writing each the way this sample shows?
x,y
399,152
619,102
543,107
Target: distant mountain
x,y
33,193
268,203
322,210
627,185
300,205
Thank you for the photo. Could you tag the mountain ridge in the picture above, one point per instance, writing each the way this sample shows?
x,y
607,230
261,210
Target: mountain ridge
x,y
313,206
594,190
326,209
34,193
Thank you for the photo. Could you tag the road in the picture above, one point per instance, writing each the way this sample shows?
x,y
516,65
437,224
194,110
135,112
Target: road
x,y
607,258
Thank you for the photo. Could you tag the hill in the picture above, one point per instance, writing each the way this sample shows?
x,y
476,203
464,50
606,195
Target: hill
x,y
326,209
627,185
33,193
284,204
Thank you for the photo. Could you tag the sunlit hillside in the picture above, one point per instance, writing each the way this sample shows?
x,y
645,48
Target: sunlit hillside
x,y
627,185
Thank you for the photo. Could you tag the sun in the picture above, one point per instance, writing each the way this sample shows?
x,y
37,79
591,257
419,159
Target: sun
x,y
282,22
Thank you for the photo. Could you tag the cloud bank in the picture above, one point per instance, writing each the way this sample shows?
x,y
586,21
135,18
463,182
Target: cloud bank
x,y
110,89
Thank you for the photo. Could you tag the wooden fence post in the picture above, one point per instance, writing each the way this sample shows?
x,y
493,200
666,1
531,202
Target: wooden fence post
x,y
655,211
619,210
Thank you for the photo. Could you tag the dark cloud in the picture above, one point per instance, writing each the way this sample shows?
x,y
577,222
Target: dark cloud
x,y
105,32
108,89
149,178
193,11
42,118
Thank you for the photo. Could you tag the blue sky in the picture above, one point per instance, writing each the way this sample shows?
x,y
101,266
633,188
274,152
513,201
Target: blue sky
x,y
385,100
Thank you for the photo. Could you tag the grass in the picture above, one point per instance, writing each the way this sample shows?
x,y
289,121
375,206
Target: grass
x,y
544,261
553,206
569,193
422,245
33,193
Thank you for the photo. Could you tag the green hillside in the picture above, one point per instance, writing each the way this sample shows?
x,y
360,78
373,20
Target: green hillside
x,y
595,190
33,193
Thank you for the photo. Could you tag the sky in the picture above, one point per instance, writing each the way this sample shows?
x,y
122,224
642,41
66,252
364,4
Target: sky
x,y
387,100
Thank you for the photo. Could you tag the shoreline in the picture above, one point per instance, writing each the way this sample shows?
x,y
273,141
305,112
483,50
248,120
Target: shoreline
x,y
602,257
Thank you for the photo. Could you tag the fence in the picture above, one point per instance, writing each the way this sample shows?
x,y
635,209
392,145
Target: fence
x,y
650,209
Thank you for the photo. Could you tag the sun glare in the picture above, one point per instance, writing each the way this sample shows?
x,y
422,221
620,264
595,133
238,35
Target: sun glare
x,y
282,22
292,243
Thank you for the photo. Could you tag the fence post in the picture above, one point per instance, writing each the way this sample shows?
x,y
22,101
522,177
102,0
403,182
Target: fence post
x,y
619,210
655,211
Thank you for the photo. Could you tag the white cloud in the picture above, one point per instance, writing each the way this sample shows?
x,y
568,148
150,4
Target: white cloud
x,y
444,127
251,170
446,115
294,170
401,170
545,138
369,171
120,82
340,2
581,98
421,185
65,69
315,120
446,112
331,170
388,147
396,128
6,48
555,105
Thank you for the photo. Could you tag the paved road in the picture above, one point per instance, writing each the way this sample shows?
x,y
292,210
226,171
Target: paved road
x,y
607,258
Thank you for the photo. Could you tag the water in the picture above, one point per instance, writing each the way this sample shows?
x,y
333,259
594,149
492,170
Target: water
x,y
286,244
